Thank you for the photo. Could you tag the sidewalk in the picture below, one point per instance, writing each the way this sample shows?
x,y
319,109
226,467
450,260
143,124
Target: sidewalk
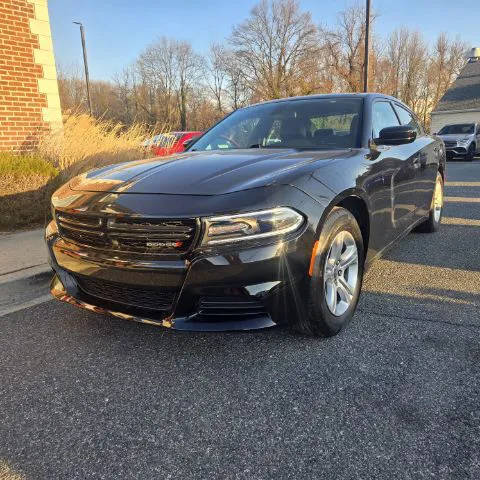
x,y
24,271
22,253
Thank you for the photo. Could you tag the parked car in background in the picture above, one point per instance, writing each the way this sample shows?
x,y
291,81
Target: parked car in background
x,y
461,140
271,217
170,143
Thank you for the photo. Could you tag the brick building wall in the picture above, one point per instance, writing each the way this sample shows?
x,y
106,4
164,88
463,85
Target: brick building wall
x,y
29,100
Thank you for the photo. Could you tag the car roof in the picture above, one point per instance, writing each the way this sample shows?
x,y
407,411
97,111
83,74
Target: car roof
x,y
329,95
459,123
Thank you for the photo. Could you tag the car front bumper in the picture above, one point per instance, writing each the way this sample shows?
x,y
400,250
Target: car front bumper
x,y
237,289
456,150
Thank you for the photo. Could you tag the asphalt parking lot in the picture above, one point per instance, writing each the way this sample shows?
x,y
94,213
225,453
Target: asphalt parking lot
x,y
396,395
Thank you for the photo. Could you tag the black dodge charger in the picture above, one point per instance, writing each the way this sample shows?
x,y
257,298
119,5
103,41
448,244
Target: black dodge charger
x,y
270,217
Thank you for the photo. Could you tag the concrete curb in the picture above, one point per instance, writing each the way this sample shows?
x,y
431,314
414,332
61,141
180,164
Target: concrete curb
x,y
22,251
25,274
25,288
35,271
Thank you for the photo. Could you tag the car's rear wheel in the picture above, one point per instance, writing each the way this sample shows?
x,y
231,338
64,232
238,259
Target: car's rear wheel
x,y
335,276
436,210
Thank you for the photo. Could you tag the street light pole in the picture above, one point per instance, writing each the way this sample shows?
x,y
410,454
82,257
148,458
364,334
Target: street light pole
x,y
85,63
367,40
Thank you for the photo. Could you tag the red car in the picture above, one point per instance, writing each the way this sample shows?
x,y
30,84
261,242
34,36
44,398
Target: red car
x,y
169,143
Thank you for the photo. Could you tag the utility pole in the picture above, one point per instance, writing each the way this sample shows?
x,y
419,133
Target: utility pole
x,y
85,63
367,47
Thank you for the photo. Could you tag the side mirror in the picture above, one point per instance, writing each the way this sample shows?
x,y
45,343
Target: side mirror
x,y
397,135
188,143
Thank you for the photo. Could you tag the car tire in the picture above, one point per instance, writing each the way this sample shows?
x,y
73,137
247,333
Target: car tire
x,y
333,292
432,224
471,153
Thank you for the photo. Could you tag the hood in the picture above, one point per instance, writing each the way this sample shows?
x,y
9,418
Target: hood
x,y
205,173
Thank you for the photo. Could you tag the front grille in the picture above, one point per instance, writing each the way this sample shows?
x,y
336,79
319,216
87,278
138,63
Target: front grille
x,y
450,143
128,234
152,298
230,307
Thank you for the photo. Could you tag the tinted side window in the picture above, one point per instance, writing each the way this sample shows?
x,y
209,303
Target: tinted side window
x,y
406,118
383,116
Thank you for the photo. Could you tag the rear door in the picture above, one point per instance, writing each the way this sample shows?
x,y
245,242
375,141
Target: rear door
x,y
421,168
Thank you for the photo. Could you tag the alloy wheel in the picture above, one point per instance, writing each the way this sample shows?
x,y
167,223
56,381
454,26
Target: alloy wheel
x,y
438,199
340,274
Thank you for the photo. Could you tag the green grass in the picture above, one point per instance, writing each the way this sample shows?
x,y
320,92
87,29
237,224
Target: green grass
x,y
26,184
18,166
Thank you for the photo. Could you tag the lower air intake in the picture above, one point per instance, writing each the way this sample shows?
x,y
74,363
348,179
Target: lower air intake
x,y
234,307
151,298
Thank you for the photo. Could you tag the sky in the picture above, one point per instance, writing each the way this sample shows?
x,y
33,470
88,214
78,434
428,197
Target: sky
x,y
118,30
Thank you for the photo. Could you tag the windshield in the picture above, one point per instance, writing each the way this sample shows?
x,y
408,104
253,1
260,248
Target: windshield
x,y
460,128
327,123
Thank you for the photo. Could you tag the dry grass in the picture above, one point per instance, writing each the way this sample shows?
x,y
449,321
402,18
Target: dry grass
x,y
27,182
87,143
6,473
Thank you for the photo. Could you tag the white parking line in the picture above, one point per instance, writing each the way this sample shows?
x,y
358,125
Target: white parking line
x,y
462,184
462,199
461,221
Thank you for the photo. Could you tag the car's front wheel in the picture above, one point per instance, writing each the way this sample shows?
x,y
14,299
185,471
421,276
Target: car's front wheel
x,y
470,153
335,276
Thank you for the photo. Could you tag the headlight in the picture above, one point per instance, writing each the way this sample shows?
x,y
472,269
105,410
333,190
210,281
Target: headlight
x,y
250,226
464,141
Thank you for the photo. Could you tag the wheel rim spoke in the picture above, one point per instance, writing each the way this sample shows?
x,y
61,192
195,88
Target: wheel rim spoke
x,y
344,290
336,248
349,257
331,296
340,274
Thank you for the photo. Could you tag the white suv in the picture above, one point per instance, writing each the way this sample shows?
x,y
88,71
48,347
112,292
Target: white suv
x,y
461,140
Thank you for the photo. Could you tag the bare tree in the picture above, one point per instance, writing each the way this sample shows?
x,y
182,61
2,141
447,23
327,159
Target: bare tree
x,y
71,87
273,47
277,51
156,67
188,67
447,61
418,74
217,74
237,91
167,70
343,47
124,87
